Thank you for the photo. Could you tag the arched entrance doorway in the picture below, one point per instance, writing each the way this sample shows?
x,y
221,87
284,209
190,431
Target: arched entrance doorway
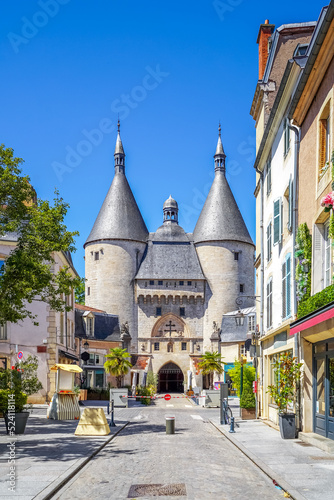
x,y
170,378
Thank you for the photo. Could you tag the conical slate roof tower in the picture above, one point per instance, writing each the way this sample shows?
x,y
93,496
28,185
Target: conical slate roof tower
x,y
220,218
119,217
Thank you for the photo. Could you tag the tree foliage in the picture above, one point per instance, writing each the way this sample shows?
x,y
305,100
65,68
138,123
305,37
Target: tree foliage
x,y
80,293
118,364
210,363
248,376
28,273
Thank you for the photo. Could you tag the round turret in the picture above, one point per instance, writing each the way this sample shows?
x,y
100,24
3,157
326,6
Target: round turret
x,y
171,210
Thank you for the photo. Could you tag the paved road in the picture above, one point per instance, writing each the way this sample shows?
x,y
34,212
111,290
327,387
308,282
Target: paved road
x,y
210,467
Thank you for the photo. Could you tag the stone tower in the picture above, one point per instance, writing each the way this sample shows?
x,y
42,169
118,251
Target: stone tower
x,y
225,250
114,249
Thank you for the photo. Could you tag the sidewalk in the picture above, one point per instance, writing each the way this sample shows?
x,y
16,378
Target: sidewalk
x,y
304,471
48,453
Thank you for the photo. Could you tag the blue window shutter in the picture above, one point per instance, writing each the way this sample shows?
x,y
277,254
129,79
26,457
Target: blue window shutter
x,y
288,286
284,290
290,205
277,221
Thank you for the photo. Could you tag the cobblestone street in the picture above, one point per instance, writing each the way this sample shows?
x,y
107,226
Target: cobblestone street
x,y
197,455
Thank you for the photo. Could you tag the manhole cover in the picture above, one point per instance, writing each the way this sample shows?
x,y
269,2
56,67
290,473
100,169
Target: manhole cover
x,y
157,490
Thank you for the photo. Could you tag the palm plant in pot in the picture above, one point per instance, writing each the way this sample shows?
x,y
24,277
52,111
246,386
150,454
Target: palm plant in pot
x,y
287,374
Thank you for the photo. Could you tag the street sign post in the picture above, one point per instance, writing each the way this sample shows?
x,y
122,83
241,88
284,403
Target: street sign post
x,y
20,355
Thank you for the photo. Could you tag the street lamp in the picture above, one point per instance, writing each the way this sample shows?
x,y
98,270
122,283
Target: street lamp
x,y
86,345
239,318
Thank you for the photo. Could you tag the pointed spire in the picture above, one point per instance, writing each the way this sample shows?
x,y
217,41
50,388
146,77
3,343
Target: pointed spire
x,y
119,154
220,154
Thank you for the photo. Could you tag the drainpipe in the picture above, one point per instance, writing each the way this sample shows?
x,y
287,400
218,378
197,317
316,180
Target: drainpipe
x,y
261,292
296,131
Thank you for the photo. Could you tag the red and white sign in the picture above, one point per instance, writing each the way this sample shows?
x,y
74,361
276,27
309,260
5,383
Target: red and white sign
x,y
167,397
255,386
20,355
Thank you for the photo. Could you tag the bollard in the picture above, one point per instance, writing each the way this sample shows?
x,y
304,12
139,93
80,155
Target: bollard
x,y
112,423
232,425
170,425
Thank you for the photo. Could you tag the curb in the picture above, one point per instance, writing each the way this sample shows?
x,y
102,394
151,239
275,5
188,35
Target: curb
x,y
64,478
286,487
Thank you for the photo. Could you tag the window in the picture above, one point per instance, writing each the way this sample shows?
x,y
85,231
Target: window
x,y
158,311
242,350
1,265
181,283
89,326
183,346
277,221
286,287
242,288
301,50
151,282
290,200
96,256
328,263
189,283
182,311
324,140
251,323
269,303
321,258
269,241
236,255
268,177
88,290
160,283
286,136
156,346
3,331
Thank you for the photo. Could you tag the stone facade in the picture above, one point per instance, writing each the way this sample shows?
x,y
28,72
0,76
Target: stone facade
x,y
170,288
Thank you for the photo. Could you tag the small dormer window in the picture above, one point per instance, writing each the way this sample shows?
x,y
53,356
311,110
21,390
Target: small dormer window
x,y
301,49
89,323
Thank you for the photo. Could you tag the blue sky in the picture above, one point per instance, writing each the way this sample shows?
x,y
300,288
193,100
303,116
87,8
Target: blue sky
x,y
172,70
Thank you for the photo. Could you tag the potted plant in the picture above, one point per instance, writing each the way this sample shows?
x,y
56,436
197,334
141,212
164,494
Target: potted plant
x,y
13,401
247,403
287,374
16,386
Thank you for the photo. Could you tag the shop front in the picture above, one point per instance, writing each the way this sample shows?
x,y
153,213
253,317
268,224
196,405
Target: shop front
x,y
316,338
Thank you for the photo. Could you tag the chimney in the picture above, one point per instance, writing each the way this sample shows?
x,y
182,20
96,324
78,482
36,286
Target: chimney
x,y
265,32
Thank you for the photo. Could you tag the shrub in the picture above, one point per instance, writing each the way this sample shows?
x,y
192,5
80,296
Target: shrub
x,y
247,399
316,301
144,391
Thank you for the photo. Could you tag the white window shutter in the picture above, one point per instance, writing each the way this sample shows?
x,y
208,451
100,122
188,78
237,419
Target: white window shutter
x,y
277,221
317,259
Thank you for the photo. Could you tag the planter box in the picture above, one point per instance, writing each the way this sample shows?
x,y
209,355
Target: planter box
x,y
247,413
20,422
83,395
287,425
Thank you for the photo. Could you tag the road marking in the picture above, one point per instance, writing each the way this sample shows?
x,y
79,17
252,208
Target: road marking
x,y
170,405
188,406
196,417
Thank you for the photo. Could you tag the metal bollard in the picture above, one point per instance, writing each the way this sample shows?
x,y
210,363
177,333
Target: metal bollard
x,y
170,425
112,423
232,425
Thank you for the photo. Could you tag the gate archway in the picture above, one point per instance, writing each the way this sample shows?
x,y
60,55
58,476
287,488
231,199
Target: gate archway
x,y
170,378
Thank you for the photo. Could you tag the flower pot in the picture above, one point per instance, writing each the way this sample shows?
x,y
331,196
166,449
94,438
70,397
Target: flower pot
x,y
248,413
287,425
19,421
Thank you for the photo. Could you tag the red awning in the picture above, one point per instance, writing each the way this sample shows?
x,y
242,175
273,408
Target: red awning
x,y
308,323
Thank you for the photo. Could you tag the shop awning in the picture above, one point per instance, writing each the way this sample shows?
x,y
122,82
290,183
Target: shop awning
x,y
66,368
313,319
68,355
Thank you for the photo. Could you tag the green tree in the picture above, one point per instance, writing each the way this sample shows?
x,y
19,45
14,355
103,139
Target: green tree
x,y
28,273
210,363
29,379
80,293
118,364
248,376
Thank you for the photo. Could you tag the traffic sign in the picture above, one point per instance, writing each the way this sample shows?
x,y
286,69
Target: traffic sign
x,y
168,397
20,355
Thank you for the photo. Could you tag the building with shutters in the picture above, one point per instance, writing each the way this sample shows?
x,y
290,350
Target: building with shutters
x,y
311,111
170,289
281,61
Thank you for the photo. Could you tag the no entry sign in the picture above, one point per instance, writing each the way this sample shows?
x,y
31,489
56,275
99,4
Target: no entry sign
x,y
20,355
167,397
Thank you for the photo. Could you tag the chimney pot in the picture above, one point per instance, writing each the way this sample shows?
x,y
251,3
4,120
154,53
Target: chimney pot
x,y
266,21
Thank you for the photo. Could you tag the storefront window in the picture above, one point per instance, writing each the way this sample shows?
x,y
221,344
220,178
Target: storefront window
x,y
320,404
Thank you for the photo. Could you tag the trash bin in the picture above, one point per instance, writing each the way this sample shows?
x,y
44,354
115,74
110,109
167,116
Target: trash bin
x,y
170,425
